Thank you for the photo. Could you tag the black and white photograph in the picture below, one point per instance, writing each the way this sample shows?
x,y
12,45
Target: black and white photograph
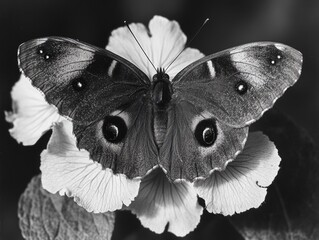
x,y
158,119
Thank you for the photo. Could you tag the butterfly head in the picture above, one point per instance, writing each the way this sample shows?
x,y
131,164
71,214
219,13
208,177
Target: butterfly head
x,y
162,88
160,75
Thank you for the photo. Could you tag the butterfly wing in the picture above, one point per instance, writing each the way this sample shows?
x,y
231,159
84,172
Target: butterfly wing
x,y
79,79
184,156
231,89
238,85
94,87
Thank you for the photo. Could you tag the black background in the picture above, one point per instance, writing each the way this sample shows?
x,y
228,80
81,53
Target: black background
x,y
293,22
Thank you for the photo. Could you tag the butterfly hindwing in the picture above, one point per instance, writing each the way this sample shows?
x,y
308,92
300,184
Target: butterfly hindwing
x,y
133,156
238,85
103,94
183,155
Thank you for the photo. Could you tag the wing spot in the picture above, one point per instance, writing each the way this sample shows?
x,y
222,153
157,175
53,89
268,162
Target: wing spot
x,y
111,68
241,87
279,47
211,69
45,56
274,61
79,84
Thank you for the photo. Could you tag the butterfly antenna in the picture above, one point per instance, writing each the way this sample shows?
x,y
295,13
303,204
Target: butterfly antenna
x,y
139,44
187,45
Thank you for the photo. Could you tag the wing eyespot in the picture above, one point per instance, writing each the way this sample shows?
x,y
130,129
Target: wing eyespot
x,y
114,129
79,84
206,132
241,87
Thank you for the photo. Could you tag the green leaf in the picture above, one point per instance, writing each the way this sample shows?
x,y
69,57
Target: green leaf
x,y
291,208
49,216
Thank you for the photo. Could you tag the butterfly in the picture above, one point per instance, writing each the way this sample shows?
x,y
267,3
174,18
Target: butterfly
x,y
189,125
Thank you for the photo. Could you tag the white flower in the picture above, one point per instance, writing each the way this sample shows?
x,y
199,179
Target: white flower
x,y
154,199
32,116
162,41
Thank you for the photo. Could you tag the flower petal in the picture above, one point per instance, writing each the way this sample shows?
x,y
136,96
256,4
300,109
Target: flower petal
x,y
162,43
160,201
167,41
122,43
243,184
187,57
68,170
32,116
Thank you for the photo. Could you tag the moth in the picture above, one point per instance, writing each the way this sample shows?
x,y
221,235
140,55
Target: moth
x,y
188,125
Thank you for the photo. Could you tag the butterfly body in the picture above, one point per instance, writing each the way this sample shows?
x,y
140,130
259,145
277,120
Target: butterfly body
x,y
189,124
162,89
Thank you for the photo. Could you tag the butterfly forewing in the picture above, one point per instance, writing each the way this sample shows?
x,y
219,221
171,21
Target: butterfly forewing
x,y
238,85
79,79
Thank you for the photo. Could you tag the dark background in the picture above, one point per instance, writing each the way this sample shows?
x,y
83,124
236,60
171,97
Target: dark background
x,y
293,22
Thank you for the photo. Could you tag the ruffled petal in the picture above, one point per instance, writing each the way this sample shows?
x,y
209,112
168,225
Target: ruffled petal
x,y
160,202
243,184
162,43
68,170
32,116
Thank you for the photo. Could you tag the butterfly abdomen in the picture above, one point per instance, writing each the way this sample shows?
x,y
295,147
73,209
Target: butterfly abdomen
x,y
160,126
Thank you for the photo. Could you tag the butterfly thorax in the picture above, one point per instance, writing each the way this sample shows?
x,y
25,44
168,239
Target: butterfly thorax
x,y
162,89
161,97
